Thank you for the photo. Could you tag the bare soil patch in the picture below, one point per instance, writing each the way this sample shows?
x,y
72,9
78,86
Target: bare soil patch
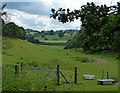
x,y
96,60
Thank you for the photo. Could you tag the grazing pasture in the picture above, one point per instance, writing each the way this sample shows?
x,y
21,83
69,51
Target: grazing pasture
x,y
33,55
55,37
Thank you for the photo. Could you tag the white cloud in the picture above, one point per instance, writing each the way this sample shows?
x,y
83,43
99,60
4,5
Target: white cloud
x,y
42,22
38,22
108,2
48,2
76,24
19,17
74,4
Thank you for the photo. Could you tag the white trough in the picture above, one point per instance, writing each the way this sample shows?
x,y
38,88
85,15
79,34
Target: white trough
x,y
105,81
88,77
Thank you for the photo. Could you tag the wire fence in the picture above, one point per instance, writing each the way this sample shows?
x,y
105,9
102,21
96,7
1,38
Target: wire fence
x,y
38,72
37,75
50,73
36,78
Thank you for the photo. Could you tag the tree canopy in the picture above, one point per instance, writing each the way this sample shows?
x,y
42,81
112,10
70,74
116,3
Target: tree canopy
x,y
14,31
100,26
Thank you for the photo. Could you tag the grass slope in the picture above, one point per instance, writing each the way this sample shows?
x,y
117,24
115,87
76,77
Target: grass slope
x,y
16,50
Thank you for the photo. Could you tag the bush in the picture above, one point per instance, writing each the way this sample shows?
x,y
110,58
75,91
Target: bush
x,y
33,63
82,59
32,40
54,39
61,34
46,39
42,36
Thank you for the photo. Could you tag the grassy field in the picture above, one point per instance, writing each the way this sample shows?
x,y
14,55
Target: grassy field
x,y
16,50
54,41
53,37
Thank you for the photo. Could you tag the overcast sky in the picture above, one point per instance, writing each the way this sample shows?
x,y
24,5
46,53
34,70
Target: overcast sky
x,y
35,14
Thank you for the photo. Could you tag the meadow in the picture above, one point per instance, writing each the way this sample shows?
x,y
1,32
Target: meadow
x,y
33,55
55,37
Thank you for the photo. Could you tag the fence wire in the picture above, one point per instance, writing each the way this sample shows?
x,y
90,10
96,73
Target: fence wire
x,y
38,75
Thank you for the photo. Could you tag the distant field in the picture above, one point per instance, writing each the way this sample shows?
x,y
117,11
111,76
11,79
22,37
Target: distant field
x,y
53,41
50,37
55,37
16,50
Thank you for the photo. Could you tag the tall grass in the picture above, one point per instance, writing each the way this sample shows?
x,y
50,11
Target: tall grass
x,y
49,56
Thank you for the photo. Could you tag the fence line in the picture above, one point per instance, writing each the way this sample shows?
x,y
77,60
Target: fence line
x,y
43,72
36,74
50,70
36,68
67,71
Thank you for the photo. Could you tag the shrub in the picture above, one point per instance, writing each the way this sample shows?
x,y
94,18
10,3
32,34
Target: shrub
x,y
46,39
33,63
54,39
84,59
32,40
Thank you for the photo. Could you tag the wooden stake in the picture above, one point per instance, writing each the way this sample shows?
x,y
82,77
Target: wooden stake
x,y
58,77
21,66
107,76
102,74
16,69
76,75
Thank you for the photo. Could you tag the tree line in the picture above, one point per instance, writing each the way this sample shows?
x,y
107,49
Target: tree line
x,y
12,30
99,29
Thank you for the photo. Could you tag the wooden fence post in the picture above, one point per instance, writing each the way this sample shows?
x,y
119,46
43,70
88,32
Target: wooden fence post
x,y
76,75
107,76
102,74
21,66
16,69
58,77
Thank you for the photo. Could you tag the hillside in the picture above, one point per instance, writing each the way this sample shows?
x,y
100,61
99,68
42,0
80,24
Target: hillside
x,y
16,50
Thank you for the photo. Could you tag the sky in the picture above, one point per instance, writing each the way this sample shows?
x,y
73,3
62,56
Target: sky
x,y
35,14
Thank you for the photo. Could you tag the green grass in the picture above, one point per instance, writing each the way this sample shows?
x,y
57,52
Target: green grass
x,y
53,41
52,37
16,50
